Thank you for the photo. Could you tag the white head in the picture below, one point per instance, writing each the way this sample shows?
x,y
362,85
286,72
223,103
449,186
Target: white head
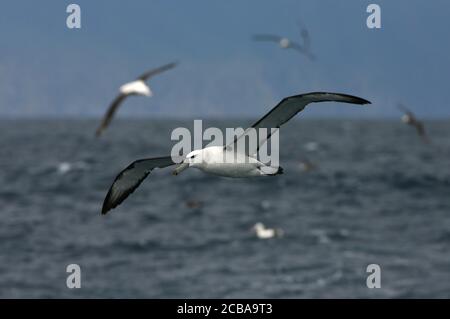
x,y
259,227
284,43
193,159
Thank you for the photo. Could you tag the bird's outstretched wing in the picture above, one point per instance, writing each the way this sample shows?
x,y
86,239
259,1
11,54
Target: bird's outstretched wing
x,y
267,37
153,72
110,113
416,123
420,129
288,108
130,179
303,50
304,33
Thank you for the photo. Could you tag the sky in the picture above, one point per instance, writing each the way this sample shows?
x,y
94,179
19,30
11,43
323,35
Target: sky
x,y
48,70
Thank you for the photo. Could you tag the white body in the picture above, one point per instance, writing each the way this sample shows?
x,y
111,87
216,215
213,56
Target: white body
x,y
215,160
137,88
266,233
285,43
406,119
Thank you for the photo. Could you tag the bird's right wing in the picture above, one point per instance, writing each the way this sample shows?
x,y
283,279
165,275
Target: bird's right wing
x,y
303,50
266,37
304,33
288,108
110,113
130,178
161,69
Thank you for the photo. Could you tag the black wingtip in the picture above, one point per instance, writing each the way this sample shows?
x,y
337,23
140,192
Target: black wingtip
x,y
355,99
105,208
364,101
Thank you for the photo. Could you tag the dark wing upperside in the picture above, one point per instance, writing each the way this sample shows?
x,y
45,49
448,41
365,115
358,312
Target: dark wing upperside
x,y
153,72
302,49
267,37
290,106
306,38
419,127
304,33
130,178
110,113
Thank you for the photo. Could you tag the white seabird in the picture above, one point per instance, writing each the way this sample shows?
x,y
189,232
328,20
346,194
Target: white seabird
x,y
286,43
410,119
66,167
137,87
266,233
211,159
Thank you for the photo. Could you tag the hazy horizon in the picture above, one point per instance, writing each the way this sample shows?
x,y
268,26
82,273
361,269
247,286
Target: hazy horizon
x,y
48,70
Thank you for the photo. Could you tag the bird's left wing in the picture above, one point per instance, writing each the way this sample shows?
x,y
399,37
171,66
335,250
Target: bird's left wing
x,y
153,72
289,107
130,179
110,113
303,50
266,37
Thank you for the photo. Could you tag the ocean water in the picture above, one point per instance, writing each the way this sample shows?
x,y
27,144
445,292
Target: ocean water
x,y
377,196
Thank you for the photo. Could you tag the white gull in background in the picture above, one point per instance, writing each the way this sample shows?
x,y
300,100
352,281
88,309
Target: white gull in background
x,y
211,159
410,119
137,87
66,167
286,43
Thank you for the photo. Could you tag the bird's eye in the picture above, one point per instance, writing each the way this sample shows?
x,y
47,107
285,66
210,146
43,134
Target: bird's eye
x,y
192,156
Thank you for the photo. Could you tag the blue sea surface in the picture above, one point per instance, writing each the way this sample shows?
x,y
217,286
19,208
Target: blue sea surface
x,y
378,195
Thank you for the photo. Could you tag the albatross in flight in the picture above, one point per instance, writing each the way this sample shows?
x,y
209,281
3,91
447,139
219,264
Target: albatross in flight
x,y
211,159
410,119
286,43
137,87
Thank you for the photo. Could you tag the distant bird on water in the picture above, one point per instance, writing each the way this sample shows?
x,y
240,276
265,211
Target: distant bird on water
x,y
410,119
137,87
307,165
193,204
266,233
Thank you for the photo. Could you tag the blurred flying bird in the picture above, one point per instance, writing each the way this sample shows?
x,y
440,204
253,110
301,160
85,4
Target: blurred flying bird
x,y
286,43
227,160
137,87
410,119
306,37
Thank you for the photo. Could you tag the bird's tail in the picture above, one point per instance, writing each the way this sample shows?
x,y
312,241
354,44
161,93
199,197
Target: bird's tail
x,y
272,171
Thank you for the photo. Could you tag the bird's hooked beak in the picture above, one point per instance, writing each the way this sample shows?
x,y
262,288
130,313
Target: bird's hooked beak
x,y
181,167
